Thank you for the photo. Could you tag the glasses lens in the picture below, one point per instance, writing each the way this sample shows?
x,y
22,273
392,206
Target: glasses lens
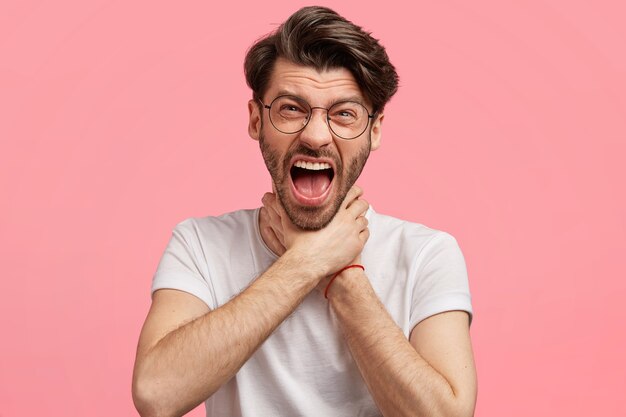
x,y
289,114
348,119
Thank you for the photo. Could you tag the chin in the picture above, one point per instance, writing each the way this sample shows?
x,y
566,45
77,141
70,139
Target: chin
x,y
309,217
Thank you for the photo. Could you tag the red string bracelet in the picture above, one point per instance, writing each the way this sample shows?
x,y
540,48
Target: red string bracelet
x,y
337,274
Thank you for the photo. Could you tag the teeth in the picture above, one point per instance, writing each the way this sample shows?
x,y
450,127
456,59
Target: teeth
x,y
312,166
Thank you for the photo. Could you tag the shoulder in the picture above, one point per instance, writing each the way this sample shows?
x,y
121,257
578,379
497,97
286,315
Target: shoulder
x,y
405,257
413,236
216,234
226,224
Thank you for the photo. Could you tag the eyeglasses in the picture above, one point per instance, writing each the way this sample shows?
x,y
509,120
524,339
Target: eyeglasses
x,y
346,119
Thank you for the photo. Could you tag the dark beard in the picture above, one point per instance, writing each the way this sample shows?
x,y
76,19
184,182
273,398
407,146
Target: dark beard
x,y
307,217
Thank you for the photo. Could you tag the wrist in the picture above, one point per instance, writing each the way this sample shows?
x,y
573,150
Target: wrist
x,y
349,284
310,267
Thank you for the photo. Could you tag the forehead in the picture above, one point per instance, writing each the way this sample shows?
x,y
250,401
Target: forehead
x,y
312,84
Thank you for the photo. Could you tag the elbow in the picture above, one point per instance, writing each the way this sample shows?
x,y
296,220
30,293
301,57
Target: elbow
x,y
147,400
458,406
464,407
456,410
464,412
144,403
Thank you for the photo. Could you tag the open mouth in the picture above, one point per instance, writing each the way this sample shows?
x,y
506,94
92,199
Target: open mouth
x,y
311,181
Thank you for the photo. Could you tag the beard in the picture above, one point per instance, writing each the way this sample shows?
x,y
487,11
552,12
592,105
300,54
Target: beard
x,y
312,217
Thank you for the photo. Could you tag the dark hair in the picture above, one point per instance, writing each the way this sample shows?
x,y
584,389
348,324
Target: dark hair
x,y
320,38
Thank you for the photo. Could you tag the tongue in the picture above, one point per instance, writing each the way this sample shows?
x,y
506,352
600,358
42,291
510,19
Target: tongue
x,y
311,183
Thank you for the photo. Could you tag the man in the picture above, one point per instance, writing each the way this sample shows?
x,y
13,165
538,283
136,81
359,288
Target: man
x,y
313,304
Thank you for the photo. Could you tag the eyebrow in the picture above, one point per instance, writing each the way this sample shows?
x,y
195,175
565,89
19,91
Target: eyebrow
x,y
355,98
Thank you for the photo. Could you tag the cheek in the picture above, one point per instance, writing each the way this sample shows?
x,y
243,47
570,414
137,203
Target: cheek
x,y
274,152
354,153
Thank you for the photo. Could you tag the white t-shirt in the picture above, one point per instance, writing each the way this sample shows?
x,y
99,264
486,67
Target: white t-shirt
x,y
305,368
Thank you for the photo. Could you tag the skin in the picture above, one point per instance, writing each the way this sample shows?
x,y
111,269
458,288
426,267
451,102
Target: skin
x,y
431,374
349,156
186,351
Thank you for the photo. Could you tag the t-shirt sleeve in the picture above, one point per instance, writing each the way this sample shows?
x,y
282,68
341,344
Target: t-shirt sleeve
x,y
441,283
181,267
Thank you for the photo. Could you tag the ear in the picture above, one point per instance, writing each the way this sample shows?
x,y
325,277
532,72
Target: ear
x,y
254,121
376,132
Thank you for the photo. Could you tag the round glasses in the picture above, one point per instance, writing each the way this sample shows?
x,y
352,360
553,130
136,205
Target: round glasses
x,y
346,119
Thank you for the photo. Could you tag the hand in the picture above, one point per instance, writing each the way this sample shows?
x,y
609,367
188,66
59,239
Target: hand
x,y
272,237
326,250
321,286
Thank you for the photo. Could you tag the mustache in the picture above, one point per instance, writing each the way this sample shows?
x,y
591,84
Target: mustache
x,y
303,150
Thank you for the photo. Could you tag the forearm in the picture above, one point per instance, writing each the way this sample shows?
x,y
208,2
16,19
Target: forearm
x,y
401,382
190,363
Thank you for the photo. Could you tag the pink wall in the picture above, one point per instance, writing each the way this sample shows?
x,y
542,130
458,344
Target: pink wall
x,y
120,119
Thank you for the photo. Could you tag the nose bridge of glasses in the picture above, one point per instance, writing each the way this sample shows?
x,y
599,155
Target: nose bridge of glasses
x,y
310,115
314,130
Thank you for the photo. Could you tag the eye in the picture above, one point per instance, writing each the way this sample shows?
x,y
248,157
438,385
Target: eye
x,y
290,108
346,113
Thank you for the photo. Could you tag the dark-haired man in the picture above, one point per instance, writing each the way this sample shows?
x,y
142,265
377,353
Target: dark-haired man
x,y
313,304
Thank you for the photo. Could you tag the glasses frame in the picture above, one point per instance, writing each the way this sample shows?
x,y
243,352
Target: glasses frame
x,y
310,115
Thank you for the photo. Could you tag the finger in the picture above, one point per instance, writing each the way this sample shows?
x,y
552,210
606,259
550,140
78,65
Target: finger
x,y
273,216
278,207
272,203
364,235
277,204
362,222
274,241
267,199
269,220
263,215
269,216
358,207
279,234
274,212
353,193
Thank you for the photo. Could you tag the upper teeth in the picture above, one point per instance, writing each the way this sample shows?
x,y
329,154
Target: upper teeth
x,y
315,166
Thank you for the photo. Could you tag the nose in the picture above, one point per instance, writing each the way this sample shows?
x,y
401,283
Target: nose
x,y
317,133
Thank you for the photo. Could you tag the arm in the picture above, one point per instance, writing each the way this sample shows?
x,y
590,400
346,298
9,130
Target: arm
x,y
176,371
186,352
432,374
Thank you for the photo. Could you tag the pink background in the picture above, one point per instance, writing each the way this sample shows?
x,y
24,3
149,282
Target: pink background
x,y
120,119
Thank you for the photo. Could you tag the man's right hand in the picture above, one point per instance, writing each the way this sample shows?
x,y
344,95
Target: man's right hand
x,y
331,248
187,352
